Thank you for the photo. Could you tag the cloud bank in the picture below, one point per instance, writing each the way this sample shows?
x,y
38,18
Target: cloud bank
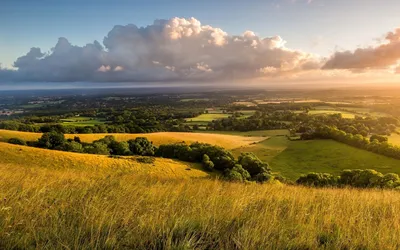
x,y
168,50
383,56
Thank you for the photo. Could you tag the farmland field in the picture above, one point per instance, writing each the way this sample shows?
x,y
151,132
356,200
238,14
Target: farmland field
x,y
82,121
345,114
208,117
226,141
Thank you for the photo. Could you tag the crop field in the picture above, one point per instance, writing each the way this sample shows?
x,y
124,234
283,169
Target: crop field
x,y
82,121
226,141
30,158
256,133
43,207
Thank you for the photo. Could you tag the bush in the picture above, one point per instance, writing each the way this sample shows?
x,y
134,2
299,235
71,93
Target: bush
x,y
237,173
97,148
318,180
207,163
141,146
73,147
51,140
147,160
253,165
16,141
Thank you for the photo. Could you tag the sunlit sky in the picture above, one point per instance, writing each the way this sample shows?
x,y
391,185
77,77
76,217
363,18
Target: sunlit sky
x,y
318,27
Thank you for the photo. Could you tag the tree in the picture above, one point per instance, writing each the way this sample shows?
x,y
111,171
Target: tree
x,y
380,138
51,140
141,146
119,148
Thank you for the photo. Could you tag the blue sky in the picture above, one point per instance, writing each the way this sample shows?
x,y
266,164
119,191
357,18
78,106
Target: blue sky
x,y
316,27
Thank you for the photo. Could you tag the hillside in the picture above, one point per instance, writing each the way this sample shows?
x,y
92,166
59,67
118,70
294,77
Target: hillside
x,y
50,207
226,141
23,157
293,158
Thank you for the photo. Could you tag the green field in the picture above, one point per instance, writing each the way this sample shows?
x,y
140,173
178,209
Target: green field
x,y
207,117
82,121
345,114
293,158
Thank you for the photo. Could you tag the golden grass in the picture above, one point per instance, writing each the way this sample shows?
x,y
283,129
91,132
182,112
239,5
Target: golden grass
x,y
42,208
226,141
29,157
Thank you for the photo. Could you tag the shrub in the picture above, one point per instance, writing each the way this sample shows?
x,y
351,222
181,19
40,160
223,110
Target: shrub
x,y
318,180
16,141
147,160
141,146
252,164
97,148
237,173
207,163
72,147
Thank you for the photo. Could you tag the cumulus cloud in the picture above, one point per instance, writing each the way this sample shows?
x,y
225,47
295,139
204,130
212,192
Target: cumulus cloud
x,y
168,50
383,56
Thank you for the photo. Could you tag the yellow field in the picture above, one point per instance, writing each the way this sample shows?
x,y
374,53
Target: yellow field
x,y
226,141
33,158
43,208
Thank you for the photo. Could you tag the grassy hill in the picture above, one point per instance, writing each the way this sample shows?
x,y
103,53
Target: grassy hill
x,y
226,141
22,157
50,207
293,158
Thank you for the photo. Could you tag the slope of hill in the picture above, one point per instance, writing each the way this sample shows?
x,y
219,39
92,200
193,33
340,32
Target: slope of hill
x,y
67,208
226,141
293,158
29,157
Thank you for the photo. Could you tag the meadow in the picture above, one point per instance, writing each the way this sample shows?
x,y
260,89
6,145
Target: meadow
x,y
208,117
47,208
82,121
293,158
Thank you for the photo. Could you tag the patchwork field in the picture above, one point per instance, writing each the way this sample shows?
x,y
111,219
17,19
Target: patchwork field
x,y
345,114
226,141
82,121
208,117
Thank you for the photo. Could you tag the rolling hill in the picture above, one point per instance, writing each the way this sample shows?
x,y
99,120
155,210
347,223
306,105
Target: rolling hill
x,y
226,141
24,157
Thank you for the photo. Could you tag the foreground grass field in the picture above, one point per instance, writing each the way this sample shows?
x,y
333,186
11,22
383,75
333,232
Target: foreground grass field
x,y
46,208
226,141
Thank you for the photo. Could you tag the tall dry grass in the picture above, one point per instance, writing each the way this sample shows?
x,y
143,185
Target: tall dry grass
x,y
71,209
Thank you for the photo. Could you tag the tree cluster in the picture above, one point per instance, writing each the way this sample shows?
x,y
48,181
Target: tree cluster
x,y
358,178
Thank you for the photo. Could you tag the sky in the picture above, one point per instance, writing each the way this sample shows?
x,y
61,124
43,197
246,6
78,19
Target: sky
x,y
226,40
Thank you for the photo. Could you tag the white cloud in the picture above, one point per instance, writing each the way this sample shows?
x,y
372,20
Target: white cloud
x,y
168,50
